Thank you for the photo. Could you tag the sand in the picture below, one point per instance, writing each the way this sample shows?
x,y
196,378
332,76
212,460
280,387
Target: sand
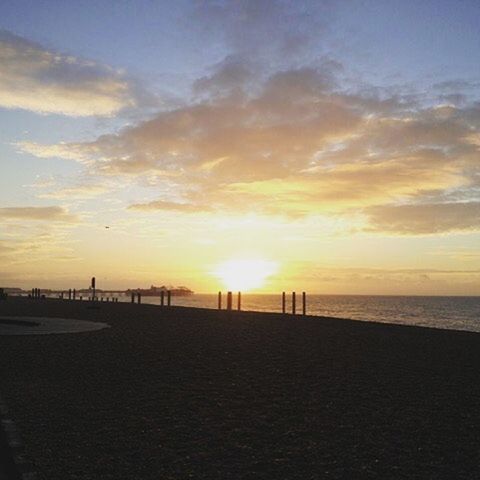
x,y
188,393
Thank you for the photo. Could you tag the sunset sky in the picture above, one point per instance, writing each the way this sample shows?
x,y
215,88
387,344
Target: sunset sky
x,y
326,146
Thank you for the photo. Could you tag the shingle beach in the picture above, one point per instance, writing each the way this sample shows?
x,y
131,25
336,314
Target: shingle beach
x,y
180,393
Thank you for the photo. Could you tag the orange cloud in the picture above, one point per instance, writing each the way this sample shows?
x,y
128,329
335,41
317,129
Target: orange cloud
x,y
294,145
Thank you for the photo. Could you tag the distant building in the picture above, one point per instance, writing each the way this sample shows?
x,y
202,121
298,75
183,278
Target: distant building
x,y
154,291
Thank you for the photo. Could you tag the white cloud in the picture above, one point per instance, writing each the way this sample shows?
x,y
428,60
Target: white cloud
x,y
44,81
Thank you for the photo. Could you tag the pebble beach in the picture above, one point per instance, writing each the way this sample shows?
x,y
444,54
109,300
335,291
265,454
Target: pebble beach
x,y
180,393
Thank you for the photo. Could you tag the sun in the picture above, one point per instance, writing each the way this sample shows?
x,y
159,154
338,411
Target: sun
x,y
245,275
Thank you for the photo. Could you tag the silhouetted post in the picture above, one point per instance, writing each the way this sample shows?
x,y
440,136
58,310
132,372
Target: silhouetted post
x,y
69,293
304,303
219,300
283,302
239,301
133,297
33,293
293,303
74,294
139,297
93,288
80,298
229,300
169,298
162,298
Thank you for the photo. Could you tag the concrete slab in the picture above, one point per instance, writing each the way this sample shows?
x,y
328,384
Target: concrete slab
x,y
10,325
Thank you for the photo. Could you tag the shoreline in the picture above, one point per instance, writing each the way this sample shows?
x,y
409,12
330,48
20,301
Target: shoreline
x,y
179,392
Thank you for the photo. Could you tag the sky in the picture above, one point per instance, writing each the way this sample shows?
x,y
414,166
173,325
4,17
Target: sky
x,y
326,146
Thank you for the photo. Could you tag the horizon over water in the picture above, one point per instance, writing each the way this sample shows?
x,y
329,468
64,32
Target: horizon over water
x,y
446,312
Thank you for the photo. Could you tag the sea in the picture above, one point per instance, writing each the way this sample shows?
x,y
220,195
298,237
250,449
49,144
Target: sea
x,y
453,313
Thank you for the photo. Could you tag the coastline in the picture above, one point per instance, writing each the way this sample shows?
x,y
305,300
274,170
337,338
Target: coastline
x,y
174,392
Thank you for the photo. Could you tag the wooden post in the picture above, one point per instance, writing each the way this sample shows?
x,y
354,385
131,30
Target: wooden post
x,y
162,298
239,301
69,293
139,297
304,303
283,302
229,300
293,303
133,297
80,298
74,294
93,288
219,300
169,298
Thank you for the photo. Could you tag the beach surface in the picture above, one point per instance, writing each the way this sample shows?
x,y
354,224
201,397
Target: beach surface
x,y
179,393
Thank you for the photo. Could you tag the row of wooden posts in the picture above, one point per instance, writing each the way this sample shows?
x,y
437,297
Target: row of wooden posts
x,y
72,295
168,293
284,303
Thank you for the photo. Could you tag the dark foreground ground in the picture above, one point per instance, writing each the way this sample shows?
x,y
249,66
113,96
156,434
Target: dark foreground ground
x,y
184,393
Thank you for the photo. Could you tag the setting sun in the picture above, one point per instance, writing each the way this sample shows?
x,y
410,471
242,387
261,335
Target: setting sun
x,y
245,275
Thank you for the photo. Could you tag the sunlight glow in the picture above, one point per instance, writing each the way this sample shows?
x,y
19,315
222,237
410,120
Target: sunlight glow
x,y
245,275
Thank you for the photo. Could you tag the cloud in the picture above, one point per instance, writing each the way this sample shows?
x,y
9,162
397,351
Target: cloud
x,y
51,214
425,218
159,205
229,76
273,30
293,143
68,151
77,192
44,81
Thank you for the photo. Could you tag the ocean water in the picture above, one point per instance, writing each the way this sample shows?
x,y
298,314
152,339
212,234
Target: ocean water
x,y
455,313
